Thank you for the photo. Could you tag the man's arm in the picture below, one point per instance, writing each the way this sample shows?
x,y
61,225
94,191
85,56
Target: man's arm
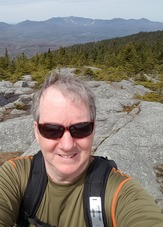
x,y
135,207
13,179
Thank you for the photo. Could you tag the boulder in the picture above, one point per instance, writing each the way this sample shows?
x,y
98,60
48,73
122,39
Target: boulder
x,y
128,130
15,98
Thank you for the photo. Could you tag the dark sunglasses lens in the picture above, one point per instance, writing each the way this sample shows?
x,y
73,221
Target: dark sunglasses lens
x,y
81,130
51,131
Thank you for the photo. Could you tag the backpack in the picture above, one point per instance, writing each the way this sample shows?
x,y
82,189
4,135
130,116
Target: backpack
x,y
93,194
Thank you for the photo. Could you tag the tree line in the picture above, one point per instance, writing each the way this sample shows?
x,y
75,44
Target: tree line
x,y
118,58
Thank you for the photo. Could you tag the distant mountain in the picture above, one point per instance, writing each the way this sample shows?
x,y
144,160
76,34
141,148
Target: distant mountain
x,y
32,37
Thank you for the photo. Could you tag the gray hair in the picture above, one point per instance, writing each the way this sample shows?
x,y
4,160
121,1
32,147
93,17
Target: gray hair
x,y
71,87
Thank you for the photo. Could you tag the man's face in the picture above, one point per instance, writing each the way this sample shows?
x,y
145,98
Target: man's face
x,y
66,157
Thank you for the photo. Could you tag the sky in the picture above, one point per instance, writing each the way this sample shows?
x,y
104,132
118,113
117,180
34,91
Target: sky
x,y
15,11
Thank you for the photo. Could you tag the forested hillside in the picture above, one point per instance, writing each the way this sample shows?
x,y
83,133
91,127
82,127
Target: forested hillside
x,y
139,56
34,37
142,52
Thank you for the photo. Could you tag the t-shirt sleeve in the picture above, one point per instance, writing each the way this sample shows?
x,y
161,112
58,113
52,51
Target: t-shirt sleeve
x,y
13,179
133,206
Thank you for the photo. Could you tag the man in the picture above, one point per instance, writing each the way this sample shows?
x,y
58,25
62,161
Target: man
x,y
64,124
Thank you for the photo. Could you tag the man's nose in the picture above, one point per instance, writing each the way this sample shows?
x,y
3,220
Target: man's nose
x,y
67,141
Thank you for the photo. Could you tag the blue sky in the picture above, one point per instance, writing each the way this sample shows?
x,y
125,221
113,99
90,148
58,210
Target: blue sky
x,y
15,11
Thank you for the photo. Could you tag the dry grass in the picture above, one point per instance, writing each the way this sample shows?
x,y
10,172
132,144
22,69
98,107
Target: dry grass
x,y
159,175
4,156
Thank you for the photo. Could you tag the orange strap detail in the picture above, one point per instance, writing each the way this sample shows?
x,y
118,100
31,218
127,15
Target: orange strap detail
x,y
18,158
115,200
118,171
12,163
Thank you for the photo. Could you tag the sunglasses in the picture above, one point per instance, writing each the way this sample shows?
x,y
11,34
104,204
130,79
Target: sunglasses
x,y
56,131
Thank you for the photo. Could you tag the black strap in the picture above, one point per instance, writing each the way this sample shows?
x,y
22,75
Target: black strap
x,y
34,191
36,222
95,184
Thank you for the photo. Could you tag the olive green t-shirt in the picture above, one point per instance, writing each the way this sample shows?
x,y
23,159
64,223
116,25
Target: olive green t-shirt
x,y
127,204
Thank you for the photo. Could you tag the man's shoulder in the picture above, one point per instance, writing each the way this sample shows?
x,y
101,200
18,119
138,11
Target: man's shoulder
x,y
18,163
17,171
118,174
117,179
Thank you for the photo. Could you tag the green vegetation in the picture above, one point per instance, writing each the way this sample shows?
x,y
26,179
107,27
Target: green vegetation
x,y
156,85
20,106
134,56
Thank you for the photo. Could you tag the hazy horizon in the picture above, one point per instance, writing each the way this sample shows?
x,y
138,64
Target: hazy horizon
x,y
15,11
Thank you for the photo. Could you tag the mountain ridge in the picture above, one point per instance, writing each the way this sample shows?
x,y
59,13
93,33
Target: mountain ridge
x,y
32,37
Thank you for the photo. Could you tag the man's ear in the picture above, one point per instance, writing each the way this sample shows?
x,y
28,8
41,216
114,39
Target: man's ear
x,y
36,132
94,129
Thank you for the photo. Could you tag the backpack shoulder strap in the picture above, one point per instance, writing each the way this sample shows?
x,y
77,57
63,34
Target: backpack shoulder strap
x,y
94,191
35,190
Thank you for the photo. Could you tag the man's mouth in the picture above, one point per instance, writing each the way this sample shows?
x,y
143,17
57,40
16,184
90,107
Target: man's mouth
x,y
67,156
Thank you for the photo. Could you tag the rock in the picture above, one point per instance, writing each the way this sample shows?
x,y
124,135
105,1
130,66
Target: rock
x,y
32,84
25,98
9,93
3,101
16,134
135,142
6,84
16,98
1,115
21,84
23,90
17,113
128,130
